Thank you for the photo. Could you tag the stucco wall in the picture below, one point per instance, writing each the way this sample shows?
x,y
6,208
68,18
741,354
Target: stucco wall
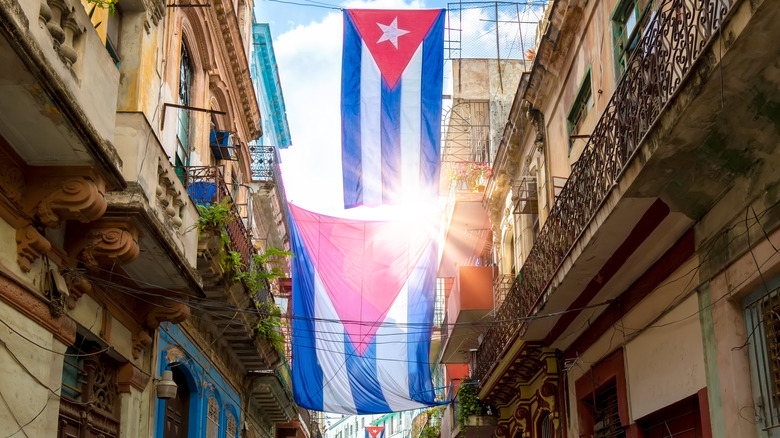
x,y
666,364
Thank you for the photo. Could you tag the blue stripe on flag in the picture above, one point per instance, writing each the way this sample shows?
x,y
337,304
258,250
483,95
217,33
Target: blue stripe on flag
x,y
391,142
350,115
422,287
363,379
432,83
304,342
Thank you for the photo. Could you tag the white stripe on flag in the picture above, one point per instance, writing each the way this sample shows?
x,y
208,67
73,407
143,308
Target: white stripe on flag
x,y
370,128
392,354
329,334
411,120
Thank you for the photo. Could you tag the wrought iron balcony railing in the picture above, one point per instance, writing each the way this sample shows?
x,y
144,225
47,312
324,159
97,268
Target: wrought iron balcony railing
x,y
675,37
265,165
206,185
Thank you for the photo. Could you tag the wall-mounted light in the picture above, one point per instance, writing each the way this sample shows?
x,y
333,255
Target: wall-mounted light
x,y
165,386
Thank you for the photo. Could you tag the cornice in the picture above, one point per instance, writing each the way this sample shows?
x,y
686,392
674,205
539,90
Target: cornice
x,y
239,65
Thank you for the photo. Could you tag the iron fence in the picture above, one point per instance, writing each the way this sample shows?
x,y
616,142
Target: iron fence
x,y
677,34
206,185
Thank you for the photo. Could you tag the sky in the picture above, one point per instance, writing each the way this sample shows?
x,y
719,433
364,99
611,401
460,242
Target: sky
x,y
307,40
307,43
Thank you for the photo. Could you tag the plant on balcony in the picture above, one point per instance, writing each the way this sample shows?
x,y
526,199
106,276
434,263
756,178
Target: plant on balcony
x,y
469,403
432,427
270,323
215,217
471,176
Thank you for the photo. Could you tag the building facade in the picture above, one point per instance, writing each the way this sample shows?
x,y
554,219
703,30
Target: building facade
x,y
634,216
136,249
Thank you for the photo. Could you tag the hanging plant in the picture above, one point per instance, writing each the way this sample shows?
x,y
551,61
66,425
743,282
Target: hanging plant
x,y
469,403
269,326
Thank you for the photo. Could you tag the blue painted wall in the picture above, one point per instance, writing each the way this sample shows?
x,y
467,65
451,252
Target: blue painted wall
x,y
175,349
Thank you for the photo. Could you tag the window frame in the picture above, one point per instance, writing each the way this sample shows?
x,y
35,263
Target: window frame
x,y
624,45
580,107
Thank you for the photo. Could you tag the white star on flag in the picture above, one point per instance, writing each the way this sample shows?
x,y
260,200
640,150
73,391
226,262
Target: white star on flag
x,y
391,32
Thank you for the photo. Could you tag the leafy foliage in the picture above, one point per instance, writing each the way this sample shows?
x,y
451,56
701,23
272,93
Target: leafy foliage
x,y
469,403
432,428
105,4
270,323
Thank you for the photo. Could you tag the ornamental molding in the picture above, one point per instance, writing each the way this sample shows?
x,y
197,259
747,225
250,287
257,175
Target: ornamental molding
x,y
108,243
56,199
30,245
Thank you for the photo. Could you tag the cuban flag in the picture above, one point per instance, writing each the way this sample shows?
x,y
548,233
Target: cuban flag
x,y
375,432
363,295
391,88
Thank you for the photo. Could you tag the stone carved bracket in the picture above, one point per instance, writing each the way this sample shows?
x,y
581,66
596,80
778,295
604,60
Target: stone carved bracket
x,y
130,376
166,310
80,198
11,181
109,242
30,245
141,340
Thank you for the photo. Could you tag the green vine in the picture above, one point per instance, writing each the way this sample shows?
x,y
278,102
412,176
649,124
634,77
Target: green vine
x,y
432,428
263,268
270,324
469,403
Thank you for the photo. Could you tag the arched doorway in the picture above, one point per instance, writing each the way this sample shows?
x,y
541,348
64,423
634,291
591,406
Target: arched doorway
x,y
177,409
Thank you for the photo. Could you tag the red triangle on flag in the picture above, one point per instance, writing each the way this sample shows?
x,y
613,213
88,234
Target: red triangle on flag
x,y
374,431
392,36
363,266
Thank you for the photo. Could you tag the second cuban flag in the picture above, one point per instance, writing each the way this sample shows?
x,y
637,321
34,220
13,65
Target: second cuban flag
x,y
391,90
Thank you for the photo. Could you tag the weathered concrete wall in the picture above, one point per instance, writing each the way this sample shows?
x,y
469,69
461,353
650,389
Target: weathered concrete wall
x,y
25,386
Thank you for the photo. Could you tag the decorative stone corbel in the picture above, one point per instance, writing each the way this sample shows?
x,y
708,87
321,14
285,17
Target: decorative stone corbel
x,y
77,287
30,245
110,242
80,198
12,182
141,340
165,310
129,376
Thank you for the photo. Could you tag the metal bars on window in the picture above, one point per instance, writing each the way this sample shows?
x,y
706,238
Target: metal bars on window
x,y
762,317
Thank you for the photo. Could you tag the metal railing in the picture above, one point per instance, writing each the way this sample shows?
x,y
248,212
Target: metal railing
x,y
206,185
265,165
676,35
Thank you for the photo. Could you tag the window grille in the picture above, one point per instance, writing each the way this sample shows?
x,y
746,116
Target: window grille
x,y
762,319
212,419
231,429
606,420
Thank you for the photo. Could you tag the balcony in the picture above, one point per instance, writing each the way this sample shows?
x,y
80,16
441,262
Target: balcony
x,y
206,185
59,87
632,186
268,196
470,301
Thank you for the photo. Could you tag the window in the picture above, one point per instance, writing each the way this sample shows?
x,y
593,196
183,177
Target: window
x,y
182,158
628,21
606,419
679,420
212,418
579,109
546,427
89,386
113,28
762,320
231,428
